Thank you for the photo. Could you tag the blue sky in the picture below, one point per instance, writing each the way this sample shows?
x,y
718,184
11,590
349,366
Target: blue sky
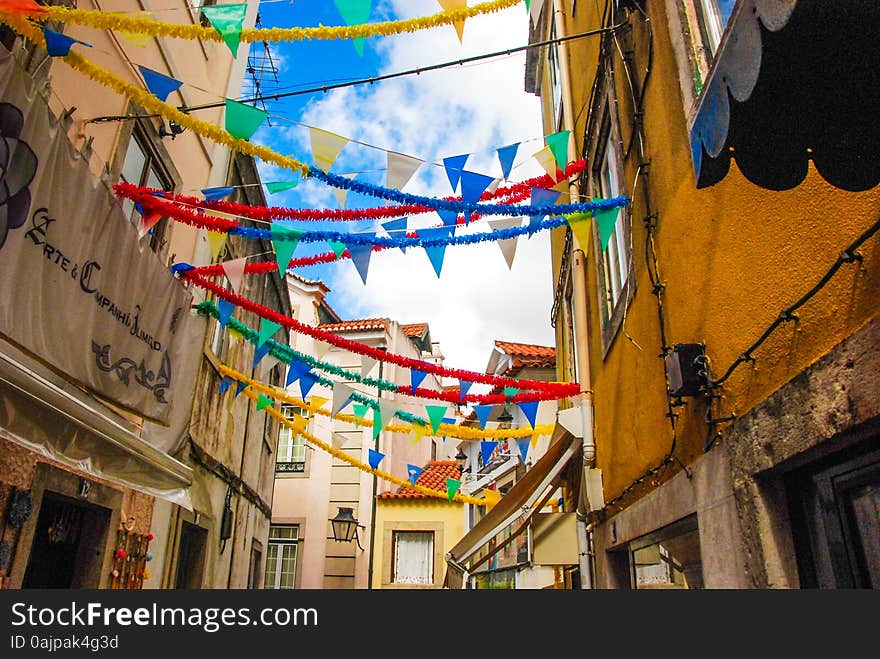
x,y
465,109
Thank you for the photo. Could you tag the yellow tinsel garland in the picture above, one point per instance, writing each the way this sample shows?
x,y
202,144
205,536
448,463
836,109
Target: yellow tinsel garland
x,y
153,104
444,430
297,426
138,25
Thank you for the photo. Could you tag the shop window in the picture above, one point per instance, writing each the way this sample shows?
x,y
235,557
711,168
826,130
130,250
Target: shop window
x,y
142,166
413,557
290,458
669,558
835,511
282,556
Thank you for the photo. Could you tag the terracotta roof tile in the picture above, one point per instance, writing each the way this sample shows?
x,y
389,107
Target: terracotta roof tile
x,y
527,354
363,324
433,476
414,329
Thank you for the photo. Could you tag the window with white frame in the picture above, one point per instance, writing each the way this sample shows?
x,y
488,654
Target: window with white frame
x,y
555,76
413,557
291,455
282,556
608,182
703,22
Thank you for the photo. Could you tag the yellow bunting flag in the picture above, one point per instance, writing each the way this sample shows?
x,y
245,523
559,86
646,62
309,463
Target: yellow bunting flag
x,y
318,401
547,160
216,240
453,5
326,147
492,497
138,39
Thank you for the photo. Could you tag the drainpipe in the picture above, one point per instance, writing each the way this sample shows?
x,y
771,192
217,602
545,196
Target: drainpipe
x,y
579,294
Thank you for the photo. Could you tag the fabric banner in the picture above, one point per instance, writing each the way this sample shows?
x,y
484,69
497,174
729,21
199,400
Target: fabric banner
x,y
78,289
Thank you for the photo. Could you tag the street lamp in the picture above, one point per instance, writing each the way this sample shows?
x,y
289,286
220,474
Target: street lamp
x,y
505,417
345,526
461,459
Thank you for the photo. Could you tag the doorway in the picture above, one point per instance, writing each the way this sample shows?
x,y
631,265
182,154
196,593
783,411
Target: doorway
x,y
191,556
68,544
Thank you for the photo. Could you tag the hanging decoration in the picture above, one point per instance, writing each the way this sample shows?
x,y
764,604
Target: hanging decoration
x,y
227,20
159,84
58,45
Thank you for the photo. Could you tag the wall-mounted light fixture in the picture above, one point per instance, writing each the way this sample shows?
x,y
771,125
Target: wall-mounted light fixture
x,y
345,526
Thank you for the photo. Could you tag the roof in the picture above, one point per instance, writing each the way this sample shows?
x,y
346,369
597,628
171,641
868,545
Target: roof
x,y
527,354
311,282
415,329
360,325
433,476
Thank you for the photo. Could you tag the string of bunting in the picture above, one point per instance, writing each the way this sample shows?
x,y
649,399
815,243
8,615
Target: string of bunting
x,y
297,426
146,26
563,388
419,427
288,355
516,192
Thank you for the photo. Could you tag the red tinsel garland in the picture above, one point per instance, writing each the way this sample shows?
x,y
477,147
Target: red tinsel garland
x,y
511,194
561,388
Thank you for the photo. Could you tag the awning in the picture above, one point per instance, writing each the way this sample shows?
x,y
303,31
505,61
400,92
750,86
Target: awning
x,y
517,506
794,81
46,414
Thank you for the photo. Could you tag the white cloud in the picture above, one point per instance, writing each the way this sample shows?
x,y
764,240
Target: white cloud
x,y
464,109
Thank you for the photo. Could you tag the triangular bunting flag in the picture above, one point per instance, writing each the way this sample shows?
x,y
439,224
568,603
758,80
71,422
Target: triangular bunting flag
x,y
506,156
280,186
360,255
375,458
57,44
139,40
416,377
530,409
263,402
606,220
326,147
436,414
216,240
367,365
224,310
400,169
413,473
523,443
535,10
510,392
542,197
148,220
239,387
216,194
486,450
491,497
580,227
472,187
454,165
483,412
547,161
387,410
267,330
436,252
451,5
360,410
558,145
284,239
463,388
452,486
399,224
342,394
234,272
507,245
450,218
318,401
341,194
261,352
295,370
227,20
224,384
306,382
159,84
243,120
337,247
355,12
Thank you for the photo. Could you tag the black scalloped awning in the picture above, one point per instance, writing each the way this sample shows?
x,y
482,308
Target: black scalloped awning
x,y
794,81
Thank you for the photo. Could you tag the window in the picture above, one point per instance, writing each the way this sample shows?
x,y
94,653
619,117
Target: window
x,y
254,567
142,166
669,558
291,455
282,556
704,22
608,182
555,76
413,557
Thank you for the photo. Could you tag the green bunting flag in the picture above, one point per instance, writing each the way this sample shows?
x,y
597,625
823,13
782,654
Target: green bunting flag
x,y
285,239
360,410
337,247
267,330
280,186
606,221
436,414
558,143
452,486
243,120
355,12
510,392
263,402
227,20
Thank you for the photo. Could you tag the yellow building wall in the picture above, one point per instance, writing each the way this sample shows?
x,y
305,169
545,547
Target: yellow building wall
x,y
731,257
446,519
